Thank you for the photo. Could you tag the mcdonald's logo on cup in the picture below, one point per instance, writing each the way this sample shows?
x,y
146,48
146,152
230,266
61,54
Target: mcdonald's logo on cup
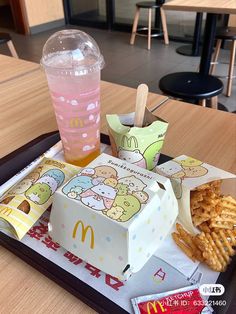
x,y
84,231
152,307
75,122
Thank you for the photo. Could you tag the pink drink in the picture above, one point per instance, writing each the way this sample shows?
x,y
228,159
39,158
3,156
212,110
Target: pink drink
x,y
74,84
77,107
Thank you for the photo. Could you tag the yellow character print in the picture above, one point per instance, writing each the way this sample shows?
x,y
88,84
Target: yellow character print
x,y
194,172
190,162
111,181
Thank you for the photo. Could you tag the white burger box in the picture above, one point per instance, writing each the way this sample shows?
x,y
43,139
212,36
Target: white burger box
x,y
186,174
114,215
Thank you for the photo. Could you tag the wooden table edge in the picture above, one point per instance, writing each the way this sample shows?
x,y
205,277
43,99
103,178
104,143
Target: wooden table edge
x,y
169,6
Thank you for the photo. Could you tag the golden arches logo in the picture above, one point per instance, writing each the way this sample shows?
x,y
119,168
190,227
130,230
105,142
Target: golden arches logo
x,y
5,211
129,142
84,231
154,307
76,122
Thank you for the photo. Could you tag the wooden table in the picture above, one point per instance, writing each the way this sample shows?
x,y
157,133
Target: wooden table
x,y
27,108
212,8
13,68
26,112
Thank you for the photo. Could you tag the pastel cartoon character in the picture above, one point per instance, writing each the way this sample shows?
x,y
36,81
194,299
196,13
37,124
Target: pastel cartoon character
x,y
141,196
111,181
152,154
87,172
35,175
133,183
105,172
98,180
99,197
39,193
80,183
49,181
132,156
122,189
75,192
194,172
56,174
170,169
178,175
21,187
130,204
114,213
190,162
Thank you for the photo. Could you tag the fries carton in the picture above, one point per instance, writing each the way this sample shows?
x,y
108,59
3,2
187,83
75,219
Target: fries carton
x,y
139,146
113,215
25,202
188,174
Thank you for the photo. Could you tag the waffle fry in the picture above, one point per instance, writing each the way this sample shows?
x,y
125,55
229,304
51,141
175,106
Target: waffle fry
x,y
204,202
227,217
186,243
231,236
205,227
215,248
178,240
215,185
215,216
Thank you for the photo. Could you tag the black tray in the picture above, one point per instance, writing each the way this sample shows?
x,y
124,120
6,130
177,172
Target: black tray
x,y
20,158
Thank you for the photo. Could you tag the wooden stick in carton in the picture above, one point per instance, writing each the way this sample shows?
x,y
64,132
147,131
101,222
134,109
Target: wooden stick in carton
x,y
141,100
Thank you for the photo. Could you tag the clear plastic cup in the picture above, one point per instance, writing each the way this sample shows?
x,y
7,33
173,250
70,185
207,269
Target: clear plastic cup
x,y
72,63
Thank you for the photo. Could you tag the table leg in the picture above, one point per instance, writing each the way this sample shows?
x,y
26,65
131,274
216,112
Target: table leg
x,y
194,49
208,43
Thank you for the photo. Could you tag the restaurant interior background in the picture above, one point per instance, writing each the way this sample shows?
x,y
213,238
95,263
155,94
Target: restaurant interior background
x,y
110,20
119,15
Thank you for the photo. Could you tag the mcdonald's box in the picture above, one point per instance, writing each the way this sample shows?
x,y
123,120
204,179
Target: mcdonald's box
x,y
113,215
202,205
27,200
139,146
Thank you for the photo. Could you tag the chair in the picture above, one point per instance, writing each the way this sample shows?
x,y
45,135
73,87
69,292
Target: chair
x,y
192,86
149,31
5,38
226,33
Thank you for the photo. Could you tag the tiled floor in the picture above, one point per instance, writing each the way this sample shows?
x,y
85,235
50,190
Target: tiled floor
x,y
125,64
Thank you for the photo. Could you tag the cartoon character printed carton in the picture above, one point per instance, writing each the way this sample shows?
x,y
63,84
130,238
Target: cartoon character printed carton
x,y
139,146
186,174
113,215
25,202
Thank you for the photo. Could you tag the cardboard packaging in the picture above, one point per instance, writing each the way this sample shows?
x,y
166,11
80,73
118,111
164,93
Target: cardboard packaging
x,y
113,215
139,146
25,202
186,174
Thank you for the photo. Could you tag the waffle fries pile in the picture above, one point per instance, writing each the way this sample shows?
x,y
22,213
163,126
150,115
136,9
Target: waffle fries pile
x,y
214,248
210,210
215,216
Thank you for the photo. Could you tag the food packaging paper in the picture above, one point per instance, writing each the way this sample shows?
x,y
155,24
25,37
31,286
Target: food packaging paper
x,y
26,201
119,215
186,174
139,146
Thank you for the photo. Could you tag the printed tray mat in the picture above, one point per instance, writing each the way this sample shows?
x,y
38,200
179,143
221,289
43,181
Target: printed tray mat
x,y
101,291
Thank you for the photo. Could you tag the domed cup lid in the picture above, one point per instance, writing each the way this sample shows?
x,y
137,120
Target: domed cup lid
x,y
72,52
